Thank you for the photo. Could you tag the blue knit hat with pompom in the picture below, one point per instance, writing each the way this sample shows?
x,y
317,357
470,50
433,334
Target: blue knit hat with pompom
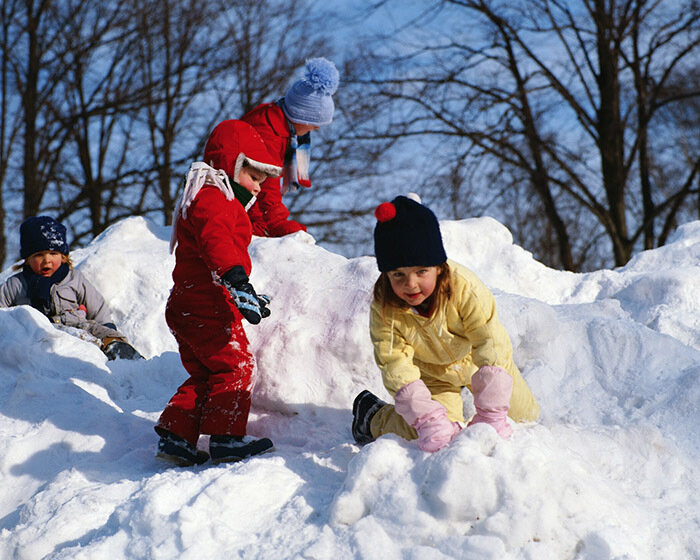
x,y
309,100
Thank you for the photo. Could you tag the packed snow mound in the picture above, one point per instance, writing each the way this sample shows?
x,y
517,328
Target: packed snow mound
x,y
657,288
609,471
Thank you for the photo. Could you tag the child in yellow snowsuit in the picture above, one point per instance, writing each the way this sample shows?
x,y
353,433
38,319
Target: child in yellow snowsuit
x,y
435,329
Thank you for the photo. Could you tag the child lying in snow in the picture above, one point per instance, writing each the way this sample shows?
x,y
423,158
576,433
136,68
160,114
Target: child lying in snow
x,y
434,327
48,282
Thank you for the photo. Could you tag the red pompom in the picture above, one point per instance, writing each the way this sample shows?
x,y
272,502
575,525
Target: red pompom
x,y
385,211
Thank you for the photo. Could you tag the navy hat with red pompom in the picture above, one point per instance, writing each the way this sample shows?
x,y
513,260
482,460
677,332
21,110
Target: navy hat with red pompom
x,y
407,234
42,233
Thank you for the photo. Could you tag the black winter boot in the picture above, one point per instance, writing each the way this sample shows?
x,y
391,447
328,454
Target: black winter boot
x,y
122,350
364,408
179,451
235,448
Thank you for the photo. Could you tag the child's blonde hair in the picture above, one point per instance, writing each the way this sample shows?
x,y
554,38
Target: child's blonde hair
x,y
64,258
386,297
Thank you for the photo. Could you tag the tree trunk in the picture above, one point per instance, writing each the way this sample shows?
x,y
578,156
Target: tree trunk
x,y
32,191
610,133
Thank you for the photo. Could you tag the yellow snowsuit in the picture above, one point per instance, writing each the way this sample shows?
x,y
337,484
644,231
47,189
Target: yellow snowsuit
x,y
444,350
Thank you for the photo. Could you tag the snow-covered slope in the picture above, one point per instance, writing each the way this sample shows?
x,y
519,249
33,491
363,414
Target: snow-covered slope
x,y
610,470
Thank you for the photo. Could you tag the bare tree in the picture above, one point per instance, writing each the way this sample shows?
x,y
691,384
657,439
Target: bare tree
x,y
211,61
50,57
562,94
117,97
175,54
98,99
37,58
266,42
33,68
10,115
673,165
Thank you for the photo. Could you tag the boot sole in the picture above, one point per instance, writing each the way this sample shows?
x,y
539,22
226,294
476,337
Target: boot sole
x,y
177,461
238,459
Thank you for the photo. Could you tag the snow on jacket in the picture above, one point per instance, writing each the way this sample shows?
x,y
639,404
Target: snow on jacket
x,y
213,230
74,303
446,349
272,125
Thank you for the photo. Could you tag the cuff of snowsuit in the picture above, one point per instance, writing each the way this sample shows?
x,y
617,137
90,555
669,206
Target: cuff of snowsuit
x,y
286,227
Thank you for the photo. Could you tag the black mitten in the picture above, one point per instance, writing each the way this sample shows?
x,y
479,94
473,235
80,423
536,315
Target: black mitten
x,y
264,301
252,306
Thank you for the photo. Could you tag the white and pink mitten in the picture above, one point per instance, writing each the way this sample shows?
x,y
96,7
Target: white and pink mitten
x,y
492,387
428,417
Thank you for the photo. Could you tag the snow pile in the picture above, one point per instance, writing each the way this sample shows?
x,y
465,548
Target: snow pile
x,y
610,470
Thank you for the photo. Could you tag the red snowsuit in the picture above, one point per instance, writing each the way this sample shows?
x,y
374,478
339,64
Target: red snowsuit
x,y
206,324
269,215
211,240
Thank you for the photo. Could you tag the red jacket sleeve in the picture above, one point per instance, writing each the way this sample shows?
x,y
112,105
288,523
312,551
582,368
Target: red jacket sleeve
x,y
270,122
270,203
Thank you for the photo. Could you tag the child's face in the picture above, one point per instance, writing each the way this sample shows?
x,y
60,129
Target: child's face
x,y
45,263
250,179
414,284
302,129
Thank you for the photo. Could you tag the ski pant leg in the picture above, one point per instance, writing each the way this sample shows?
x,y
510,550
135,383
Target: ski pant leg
x,y
226,409
388,421
182,415
523,406
214,351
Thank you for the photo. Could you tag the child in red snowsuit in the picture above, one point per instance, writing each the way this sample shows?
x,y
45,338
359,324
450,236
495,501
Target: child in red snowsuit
x,y
210,297
285,127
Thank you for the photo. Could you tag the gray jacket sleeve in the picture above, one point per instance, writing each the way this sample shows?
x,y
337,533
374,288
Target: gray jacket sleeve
x,y
76,291
13,292
97,308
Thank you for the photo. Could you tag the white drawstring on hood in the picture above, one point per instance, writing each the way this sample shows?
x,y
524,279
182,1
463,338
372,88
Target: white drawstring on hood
x,y
200,174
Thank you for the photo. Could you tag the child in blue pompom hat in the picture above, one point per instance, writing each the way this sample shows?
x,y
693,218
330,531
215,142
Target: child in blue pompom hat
x,y
285,126
48,282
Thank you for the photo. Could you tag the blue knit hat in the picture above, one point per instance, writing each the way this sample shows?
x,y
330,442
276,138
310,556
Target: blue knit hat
x,y
309,100
407,234
42,233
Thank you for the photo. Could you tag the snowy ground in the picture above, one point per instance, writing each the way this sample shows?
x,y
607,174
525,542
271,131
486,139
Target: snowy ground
x,y
609,471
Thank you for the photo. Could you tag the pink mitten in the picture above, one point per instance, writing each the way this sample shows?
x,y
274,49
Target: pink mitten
x,y
492,387
428,417
435,431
